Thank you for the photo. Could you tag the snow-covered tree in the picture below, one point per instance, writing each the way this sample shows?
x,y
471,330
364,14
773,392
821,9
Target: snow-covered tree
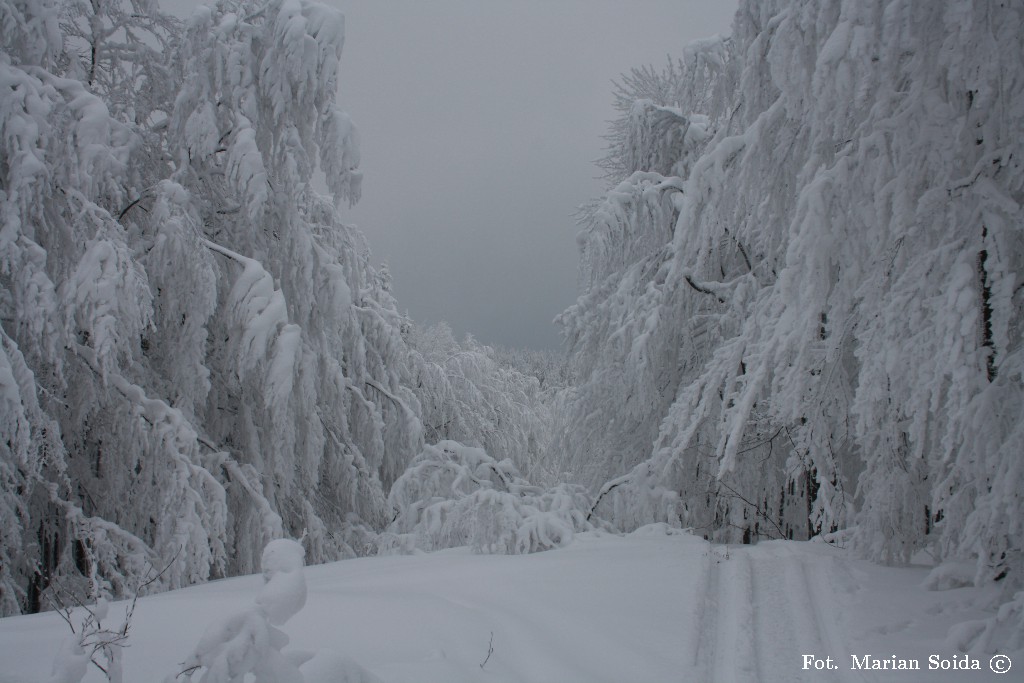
x,y
468,396
454,495
801,305
550,367
196,354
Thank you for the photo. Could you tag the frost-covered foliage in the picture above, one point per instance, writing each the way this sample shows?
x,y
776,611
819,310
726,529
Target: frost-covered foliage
x,y
455,495
550,367
468,395
802,302
195,355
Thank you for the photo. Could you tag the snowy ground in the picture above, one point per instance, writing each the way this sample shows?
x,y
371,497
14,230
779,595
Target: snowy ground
x,y
645,608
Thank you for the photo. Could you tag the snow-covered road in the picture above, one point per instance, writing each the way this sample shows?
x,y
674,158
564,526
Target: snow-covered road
x,y
649,607
766,607
784,611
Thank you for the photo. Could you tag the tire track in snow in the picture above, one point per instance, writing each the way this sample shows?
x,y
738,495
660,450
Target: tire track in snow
x,y
819,594
795,590
736,650
810,634
707,619
763,608
778,645
727,651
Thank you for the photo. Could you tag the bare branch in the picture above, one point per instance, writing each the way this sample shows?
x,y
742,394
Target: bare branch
x,y
490,651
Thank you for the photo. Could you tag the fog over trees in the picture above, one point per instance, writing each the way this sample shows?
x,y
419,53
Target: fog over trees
x,y
800,307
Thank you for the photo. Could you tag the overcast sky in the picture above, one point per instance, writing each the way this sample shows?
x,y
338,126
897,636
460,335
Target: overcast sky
x,y
480,122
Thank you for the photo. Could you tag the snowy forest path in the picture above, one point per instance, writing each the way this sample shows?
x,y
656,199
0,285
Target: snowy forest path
x,y
657,605
764,608
727,648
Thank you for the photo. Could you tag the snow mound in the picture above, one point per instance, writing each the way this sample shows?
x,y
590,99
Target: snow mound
x,y
327,667
240,644
950,575
247,645
284,588
71,662
659,529
1002,633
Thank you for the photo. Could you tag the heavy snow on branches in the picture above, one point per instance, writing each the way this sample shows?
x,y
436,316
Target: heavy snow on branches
x,y
196,356
801,307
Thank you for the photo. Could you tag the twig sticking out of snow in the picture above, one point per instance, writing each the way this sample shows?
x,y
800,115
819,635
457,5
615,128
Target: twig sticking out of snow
x,y
490,651
92,638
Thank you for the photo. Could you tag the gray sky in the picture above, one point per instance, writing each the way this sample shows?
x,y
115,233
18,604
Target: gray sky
x,y
480,121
